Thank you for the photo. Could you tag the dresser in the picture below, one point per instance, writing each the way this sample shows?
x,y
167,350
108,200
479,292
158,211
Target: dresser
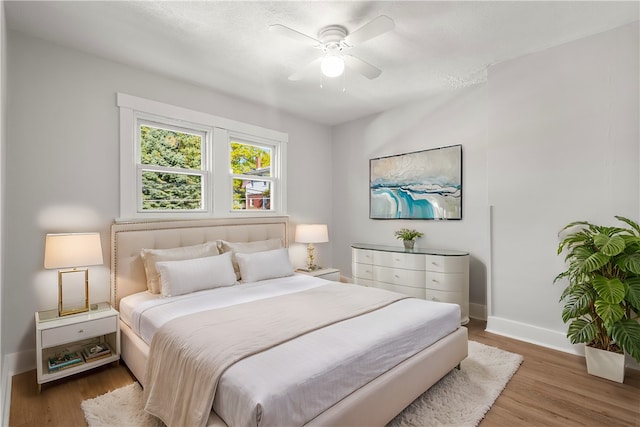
x,y
432,274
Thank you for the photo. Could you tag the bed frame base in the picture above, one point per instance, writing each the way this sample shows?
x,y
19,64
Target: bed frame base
x,y
374,404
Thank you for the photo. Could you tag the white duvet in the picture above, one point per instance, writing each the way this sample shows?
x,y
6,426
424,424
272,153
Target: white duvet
x,y
292,383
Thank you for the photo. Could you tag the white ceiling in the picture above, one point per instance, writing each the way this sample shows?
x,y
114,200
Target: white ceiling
x,y
435,47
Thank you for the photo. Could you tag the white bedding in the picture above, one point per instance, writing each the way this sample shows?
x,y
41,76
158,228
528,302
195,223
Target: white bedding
x,y
291,383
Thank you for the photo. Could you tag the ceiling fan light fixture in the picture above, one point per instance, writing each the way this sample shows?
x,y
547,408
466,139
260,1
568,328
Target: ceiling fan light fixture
x,y
332,65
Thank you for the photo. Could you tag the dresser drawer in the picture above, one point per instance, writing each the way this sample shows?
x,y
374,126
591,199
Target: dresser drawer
x,y
362,271
66,334
452,282
448,264
362,256
399,276
405,290
442,296
399,260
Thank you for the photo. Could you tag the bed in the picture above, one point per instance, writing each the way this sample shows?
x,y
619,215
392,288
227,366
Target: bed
x,y
386,385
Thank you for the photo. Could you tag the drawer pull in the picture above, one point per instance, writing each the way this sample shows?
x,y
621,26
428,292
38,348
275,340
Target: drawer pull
x,y
434,280
396,276
81,331
434,263
433,298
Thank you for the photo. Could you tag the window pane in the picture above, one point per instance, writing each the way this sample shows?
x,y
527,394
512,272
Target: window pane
x,y
251,194
171,191
249,159
162,147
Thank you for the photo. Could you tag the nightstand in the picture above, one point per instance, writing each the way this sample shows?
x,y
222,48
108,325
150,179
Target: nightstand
x,y
323,273
57,337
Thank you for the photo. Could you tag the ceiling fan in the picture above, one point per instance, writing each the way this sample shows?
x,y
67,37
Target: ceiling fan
x,y
334,41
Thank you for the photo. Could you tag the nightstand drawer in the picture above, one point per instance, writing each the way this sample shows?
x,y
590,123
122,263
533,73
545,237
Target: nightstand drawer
x,y
79,331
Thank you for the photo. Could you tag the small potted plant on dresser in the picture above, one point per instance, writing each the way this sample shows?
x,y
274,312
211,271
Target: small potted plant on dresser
x,y
602,298
408,237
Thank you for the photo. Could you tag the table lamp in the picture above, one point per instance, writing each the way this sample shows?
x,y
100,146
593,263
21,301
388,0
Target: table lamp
x,y
69,251
311,233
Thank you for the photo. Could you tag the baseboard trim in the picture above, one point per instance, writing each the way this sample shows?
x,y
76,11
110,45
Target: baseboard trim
x,y
6,394
20,362
14,363
532,334
6,400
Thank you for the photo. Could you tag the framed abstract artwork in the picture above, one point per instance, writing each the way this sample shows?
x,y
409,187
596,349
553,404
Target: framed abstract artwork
x,y
419,185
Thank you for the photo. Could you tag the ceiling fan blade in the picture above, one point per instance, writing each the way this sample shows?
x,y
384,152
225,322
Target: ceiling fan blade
x,y
379,25
293,34
300,74
362,67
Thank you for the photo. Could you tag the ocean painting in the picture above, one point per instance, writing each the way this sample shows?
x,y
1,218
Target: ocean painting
x,y
420,185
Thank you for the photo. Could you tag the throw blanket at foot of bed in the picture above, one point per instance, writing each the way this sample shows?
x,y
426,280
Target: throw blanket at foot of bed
x,y
188,355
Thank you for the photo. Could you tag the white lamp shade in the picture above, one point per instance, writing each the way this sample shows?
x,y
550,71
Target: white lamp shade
x,y
312,233
72,250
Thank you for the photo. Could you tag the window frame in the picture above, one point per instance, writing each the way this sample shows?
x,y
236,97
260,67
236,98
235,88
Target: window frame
x,y
217,184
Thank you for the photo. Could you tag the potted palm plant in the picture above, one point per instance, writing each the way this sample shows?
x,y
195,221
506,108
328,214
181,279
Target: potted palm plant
x,y
408,236
602,298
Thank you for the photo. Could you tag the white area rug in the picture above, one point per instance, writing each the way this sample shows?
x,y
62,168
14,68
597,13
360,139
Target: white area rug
x,y
460,399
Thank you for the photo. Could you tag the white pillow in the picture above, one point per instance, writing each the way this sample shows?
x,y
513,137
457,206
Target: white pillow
x,y
264,265
191,275
151,256
247,248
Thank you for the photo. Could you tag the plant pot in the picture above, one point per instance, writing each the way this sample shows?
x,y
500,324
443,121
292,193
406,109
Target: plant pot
x,y
408,244
605,364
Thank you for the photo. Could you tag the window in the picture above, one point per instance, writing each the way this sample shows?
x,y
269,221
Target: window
x,y
179,163
171,171
251,175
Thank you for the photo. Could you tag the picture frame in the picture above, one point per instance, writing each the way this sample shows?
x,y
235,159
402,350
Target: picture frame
x,y
424,184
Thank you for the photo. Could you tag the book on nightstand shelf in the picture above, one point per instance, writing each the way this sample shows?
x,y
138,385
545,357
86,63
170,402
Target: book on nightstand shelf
x,y
64,360
96,351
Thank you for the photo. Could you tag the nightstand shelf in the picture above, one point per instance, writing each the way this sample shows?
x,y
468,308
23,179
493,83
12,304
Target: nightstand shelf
x,y
323,273
70,334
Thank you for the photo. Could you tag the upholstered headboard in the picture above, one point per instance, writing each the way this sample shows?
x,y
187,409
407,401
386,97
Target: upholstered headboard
x,y
128,239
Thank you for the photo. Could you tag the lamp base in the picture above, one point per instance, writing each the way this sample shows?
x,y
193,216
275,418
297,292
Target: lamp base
x,y
72,311
81,283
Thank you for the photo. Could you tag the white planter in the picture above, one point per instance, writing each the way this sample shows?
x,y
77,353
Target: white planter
x,y
605,364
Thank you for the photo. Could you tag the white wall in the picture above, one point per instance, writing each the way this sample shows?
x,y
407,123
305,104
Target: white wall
x,y
551,138
63,165
454,118
563,146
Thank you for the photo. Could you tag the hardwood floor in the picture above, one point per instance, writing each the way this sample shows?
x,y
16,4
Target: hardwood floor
x,y
550,389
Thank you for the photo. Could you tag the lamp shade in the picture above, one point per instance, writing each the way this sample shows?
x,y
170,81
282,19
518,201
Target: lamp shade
x,y
72,250
312,233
